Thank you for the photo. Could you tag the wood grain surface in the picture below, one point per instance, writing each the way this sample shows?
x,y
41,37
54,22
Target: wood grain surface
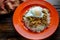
x,y
7,31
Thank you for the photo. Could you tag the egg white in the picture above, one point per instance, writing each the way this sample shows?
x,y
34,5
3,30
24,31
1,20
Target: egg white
x,y
32,11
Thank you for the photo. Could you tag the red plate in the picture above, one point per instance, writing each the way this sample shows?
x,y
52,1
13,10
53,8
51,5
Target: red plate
x,y
20,28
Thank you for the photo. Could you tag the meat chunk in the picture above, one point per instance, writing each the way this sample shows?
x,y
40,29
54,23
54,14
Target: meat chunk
x,y
8,5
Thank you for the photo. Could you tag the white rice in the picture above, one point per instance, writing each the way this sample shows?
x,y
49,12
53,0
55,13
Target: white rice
x,y
40,27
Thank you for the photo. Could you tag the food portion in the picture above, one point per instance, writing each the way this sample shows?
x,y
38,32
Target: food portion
x,y
7,6
36,19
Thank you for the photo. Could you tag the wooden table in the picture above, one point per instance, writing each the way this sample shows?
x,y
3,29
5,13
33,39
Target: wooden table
x,y
7,31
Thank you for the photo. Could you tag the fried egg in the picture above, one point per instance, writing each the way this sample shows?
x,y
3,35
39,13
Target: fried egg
x,y
35,12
